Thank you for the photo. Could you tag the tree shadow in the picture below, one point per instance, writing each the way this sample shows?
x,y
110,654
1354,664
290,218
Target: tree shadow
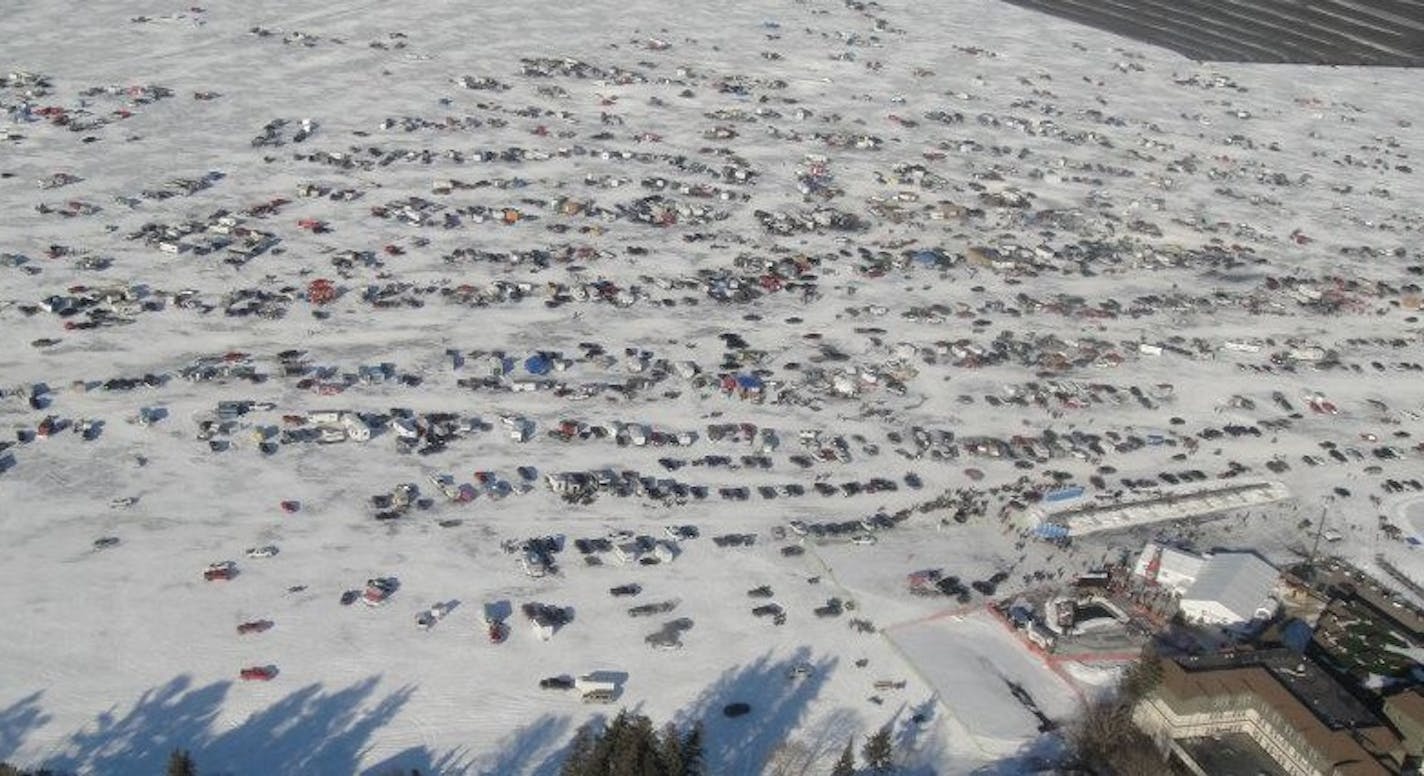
x,y
310,730
832,733
919,739
1041,755
164,718
553,762
743,744
419,759
521,750
17,721
910,727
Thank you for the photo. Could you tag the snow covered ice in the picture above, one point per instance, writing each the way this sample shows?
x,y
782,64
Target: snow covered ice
x,y
477,314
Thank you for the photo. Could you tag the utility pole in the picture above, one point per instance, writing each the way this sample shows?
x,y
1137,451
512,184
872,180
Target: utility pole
x,y
1319,529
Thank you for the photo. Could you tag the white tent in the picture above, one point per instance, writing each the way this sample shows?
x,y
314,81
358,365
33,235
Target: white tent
x,y
1232,588
1227,588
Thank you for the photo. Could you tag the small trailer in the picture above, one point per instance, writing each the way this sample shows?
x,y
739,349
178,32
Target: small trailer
x,y
592,683
593,688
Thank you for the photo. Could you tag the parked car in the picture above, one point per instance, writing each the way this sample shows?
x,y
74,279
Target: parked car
x,y
222,570
557,683
258,673
682,531
379,590
428,618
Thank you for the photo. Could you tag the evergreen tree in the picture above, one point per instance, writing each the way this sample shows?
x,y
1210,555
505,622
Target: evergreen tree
x,y
601,761
845,766
579,760
180,763
670,751
1142,676
878,751
7,769
692,752
634,747
630,746
646,743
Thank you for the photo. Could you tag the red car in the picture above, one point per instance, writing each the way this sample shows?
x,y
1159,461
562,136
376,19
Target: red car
x,y
256,626
258,673
224,570
498,632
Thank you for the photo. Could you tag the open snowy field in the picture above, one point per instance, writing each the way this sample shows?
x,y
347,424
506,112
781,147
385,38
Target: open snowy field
x,y
515,242
971,662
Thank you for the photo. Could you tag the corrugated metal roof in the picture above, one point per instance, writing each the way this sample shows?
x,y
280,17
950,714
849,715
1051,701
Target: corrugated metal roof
x,y
1239,581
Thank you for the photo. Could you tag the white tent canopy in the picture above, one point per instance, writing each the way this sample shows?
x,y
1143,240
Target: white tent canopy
x,y
1226,588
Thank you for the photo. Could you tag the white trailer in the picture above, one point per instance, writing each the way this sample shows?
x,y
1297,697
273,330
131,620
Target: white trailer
x,y
324,417
590,683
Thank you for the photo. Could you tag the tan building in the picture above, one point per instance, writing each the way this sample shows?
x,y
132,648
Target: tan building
x,y
1406,711
1273,711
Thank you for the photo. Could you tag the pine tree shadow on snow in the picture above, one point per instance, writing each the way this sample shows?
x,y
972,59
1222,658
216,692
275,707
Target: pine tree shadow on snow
x,y
536,748
1041,755
825,741
778,705
17,721
307,731
918,738
170,716
420,760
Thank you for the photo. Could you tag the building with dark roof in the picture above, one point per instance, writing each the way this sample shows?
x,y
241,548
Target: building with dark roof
x,y
1277,704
